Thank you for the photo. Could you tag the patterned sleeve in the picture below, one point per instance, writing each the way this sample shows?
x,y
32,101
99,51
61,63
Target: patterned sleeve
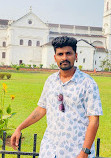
x,y
92,100
42,101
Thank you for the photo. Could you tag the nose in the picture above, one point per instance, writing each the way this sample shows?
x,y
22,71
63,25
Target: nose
x,y
64,57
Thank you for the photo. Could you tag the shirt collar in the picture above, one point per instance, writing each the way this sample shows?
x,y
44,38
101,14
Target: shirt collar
x,y
74,77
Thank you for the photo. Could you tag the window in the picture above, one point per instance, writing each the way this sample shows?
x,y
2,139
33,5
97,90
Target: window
x,y
30,21
4,44
21,42
98,43
80,52
38,43
20,62
3,54
107,6
29,43
95,62
84,60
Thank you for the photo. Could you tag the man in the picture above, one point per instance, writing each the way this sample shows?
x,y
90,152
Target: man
x,y
71,101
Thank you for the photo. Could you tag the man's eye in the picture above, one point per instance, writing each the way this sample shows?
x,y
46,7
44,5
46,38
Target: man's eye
x,y
68,53
60,54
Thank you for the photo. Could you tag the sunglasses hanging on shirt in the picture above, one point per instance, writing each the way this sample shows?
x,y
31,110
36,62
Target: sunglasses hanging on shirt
x,y
61,106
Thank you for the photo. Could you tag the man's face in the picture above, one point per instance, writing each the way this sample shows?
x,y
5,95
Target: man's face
x,y
65,57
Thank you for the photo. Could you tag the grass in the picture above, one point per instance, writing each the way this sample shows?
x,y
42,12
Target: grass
x,y
27,88
104,132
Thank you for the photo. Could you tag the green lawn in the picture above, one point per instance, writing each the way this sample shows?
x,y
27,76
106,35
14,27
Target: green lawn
x,y
27,88
104,132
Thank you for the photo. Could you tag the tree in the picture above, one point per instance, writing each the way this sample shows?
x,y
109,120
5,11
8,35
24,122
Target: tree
x,y
106,64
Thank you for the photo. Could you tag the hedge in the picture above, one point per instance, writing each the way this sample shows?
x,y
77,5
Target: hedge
x,y
3,75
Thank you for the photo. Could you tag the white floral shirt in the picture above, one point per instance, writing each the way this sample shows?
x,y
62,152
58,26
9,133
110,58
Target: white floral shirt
x,y
65,133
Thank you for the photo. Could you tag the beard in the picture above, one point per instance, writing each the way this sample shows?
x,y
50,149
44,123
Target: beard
x,y
65,67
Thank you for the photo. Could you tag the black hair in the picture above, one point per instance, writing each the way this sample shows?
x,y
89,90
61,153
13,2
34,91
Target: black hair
x,y
63,41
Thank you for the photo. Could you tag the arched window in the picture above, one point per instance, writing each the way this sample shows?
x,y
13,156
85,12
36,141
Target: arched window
x,y
29,43
21,42
3,54
98,43
30,21
38,43
84,60
4,44
20,62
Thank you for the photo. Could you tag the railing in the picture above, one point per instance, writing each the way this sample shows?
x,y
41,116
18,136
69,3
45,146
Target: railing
x,y
19,152
34,154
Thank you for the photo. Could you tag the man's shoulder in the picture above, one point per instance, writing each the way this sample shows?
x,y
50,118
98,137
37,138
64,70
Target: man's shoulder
x,y
86,77
52,77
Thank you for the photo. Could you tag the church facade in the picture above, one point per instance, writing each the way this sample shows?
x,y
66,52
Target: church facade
x,y
28,40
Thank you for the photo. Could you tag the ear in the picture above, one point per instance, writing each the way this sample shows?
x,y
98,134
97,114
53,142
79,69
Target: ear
x,y
76,56
55,57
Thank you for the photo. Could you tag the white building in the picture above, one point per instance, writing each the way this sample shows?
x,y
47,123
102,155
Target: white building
x,y
28,40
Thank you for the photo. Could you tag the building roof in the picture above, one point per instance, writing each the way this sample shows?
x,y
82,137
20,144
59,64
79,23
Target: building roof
x,y
75,26
100,49
47,44
4,22
96,28
76,34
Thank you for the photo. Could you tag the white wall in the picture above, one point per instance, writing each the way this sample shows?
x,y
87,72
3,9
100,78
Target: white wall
x,y
48,56
28,55
21,30
3,38
85,53
98,57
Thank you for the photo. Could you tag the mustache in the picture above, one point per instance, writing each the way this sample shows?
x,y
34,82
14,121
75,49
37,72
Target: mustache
x,y
65,61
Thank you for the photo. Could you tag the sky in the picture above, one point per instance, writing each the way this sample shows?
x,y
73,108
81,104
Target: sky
x,y
70,12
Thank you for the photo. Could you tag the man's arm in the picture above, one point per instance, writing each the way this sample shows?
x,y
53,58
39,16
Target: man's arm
x,y
35,116
90,134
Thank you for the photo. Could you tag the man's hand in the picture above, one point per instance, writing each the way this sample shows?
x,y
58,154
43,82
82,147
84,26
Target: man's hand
x,y
15,139
35,116
82,155
90,135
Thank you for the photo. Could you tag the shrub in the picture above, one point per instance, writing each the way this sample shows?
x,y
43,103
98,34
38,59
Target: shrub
x,y
14,66
52,66
80,67
2,75
106,69
8,75
34,66
29,66
17,67
41,65
22,65
5,114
